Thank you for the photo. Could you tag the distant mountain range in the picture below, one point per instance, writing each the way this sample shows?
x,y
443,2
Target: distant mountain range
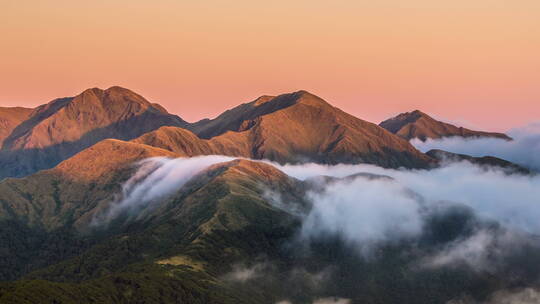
x,y
74,157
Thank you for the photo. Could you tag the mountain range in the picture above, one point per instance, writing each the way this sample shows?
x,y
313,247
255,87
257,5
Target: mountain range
x,y
289,128
230,232
59,129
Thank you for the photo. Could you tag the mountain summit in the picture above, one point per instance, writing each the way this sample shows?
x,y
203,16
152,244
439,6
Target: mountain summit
x,y
300,127
417,124
115,113
57,130
235,119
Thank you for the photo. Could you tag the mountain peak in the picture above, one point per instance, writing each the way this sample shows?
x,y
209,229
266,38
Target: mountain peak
x,y
308,98
112,95
288,99
110,89
300,127
262,100
393,124
94,90
65,126
118,89
418,113
417,124
238,118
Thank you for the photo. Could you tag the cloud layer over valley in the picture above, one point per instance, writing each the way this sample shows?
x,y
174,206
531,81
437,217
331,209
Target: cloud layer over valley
x,y
384,206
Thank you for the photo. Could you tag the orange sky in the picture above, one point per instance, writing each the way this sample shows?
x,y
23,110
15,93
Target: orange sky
x,y
471,61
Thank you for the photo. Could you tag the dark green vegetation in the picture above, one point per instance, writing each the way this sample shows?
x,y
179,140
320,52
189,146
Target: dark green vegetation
x,y
219,239
176,253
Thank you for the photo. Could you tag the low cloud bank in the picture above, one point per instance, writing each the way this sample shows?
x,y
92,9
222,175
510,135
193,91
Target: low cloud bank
x,y
398,203
368,212
523,150
364,212
155,179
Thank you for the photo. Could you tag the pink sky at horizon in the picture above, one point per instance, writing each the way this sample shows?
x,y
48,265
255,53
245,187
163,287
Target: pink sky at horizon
x,y
475,63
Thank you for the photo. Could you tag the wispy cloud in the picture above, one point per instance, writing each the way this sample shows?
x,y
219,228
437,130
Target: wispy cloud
x,y
155,179
243,273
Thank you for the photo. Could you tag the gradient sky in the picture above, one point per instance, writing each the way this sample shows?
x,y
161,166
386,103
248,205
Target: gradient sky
x,y
476,62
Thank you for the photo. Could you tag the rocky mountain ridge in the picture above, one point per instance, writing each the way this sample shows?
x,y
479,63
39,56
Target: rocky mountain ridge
x,y
417,124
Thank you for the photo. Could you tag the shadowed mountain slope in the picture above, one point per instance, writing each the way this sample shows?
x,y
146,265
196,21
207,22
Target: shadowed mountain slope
x,y
63,127
417,124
